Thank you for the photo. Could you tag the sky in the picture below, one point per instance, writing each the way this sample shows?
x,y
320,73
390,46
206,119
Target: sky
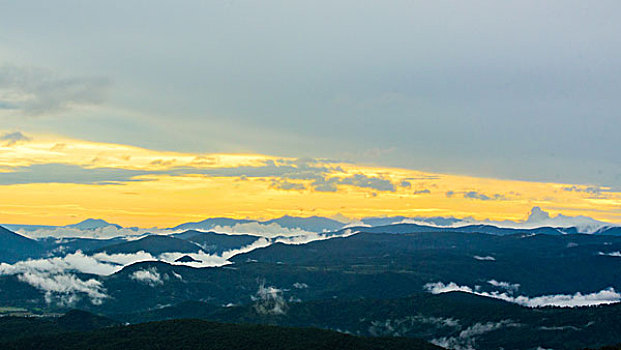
x,y
159,112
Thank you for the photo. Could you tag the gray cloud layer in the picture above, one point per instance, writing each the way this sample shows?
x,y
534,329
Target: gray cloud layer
x,y
525,90
322,177
37,91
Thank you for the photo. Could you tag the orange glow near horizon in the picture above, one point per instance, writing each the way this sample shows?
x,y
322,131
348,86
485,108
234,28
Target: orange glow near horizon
x,y
169,188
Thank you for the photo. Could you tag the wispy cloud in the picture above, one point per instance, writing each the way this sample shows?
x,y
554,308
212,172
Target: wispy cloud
x,y
616,254
35,91
466,340
484,197
150,277
606,296
65,289
269,300
13,138
67,173
484,258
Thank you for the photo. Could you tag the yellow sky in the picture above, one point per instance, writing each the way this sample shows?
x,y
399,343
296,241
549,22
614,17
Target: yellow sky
x,y
152,188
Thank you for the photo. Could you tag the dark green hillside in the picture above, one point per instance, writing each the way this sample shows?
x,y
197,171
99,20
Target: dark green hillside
x,y
541,264
197,335
216,243
428,317
154,245
14,328
63,246
15,247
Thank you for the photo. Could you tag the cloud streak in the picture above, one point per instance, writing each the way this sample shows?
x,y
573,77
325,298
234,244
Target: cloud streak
x,y
603,297
466,340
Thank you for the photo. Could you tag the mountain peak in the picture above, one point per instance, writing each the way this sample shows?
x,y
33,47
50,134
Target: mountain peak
x,y
92,224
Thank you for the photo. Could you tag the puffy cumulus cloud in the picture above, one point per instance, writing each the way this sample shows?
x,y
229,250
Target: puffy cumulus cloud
x,y
606,296
269,301
466,340
150,277
36,91
539,217
12,138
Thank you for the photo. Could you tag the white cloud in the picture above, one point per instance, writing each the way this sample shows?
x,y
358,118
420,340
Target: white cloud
x,y
484,258
606,296
356,223
615,254
259,229
466,340
537,217
311,237
64,288
403,326
148,276
509,287
99,233
270,301
56,275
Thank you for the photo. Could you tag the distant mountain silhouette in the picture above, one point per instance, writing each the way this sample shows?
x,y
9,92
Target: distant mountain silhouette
x,y
187,259
209,224
92,224
311,224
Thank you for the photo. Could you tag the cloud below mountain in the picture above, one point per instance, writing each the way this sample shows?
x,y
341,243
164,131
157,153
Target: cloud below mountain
x,y
605,296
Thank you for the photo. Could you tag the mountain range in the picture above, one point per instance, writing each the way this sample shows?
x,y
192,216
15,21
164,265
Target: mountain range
x,y
537,218
478,286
